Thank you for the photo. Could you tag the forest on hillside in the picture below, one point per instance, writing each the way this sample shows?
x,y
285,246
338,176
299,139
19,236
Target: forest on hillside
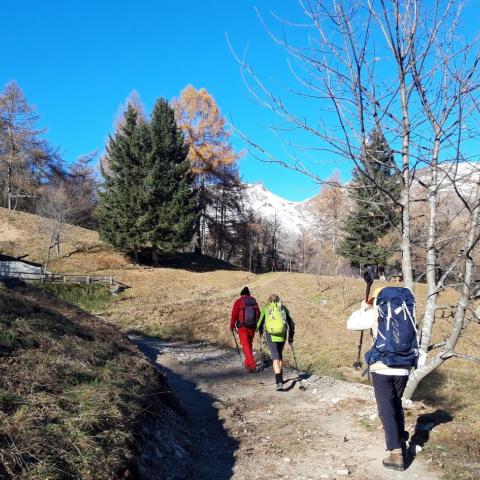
x,y
147,206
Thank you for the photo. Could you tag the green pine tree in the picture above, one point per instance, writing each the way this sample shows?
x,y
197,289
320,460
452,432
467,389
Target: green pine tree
x,y
168,193
375,212
121,201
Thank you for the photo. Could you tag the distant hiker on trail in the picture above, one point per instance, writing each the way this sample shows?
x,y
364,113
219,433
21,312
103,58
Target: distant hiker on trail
x,y
245,313
277,326
394,352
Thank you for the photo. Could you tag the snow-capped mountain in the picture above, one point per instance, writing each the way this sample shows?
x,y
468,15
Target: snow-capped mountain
x,y
292,216
463,174
297,216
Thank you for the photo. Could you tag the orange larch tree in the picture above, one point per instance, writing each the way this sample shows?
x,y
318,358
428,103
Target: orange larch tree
x,y
212,158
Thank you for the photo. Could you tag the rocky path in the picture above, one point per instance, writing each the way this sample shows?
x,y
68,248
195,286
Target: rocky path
x,y
241,428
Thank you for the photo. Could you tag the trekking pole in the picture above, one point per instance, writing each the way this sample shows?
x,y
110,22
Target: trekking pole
x,y
238,348
368,277
357,363
301,387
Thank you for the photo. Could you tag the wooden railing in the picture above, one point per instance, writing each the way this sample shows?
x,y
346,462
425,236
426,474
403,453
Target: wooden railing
x,y
61,278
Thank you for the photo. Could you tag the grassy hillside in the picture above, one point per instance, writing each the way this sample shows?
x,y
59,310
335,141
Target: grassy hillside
x,y
81,250
74,395
177,303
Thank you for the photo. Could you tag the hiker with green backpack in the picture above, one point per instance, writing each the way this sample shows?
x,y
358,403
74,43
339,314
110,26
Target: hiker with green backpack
x,y
276,326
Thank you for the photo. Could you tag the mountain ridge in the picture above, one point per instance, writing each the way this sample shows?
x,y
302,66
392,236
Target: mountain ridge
x,y
293,216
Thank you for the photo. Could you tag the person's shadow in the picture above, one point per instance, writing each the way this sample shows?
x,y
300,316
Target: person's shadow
x,y
425,424
297,379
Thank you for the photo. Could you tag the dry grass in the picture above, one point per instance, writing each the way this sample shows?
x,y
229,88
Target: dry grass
x,y
73,392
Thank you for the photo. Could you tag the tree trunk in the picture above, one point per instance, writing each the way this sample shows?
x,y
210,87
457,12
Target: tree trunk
x,y
432,290
47,258
468,280
303,255
405,192
216,250
155,255
222,220
198,221
8,187
10,168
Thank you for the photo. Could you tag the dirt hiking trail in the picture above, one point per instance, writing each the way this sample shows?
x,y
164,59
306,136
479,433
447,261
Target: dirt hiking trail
x,y
241,429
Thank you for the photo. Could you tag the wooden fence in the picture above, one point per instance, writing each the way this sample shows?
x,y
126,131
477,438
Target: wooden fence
x,y
62,278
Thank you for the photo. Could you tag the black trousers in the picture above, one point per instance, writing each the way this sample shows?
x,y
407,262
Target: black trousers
x,y
388,393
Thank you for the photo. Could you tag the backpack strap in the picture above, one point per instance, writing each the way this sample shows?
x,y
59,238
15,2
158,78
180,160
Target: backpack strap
x,y
241,319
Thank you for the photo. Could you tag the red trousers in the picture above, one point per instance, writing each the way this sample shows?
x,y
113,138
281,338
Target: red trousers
x,y
246,339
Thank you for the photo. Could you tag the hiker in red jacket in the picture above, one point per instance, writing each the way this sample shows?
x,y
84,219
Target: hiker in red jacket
x,y
245,313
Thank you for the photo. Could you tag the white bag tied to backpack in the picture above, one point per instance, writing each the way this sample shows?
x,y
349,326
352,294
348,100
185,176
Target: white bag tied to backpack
x,y
362,319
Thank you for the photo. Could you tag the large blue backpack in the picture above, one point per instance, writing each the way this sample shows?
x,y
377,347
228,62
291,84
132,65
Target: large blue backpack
x,y
396,343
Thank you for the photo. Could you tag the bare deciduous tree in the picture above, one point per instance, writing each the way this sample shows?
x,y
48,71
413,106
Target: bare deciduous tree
x,y
54,206
331,206
25,158
80,185
407,68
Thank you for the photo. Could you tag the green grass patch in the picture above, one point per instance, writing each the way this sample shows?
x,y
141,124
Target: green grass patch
x,y
323,368
366,424
314,365
90,297
9,402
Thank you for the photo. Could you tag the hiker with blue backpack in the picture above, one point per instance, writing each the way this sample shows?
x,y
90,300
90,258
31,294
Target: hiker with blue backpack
x,y
243,320
393,354
276,325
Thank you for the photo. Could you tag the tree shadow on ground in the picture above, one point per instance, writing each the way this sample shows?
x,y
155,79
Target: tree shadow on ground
x,y
21,258
432,391
425,424
212,449
190,261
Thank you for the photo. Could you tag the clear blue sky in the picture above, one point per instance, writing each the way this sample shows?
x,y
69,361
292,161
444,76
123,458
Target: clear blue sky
x,y
77,61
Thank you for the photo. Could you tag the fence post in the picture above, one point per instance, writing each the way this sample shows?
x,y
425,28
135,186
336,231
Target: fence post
x,y
64,279
88,279
111,280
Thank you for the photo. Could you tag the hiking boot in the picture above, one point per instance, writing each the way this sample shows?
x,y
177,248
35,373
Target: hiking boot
x,y
279,386
394,460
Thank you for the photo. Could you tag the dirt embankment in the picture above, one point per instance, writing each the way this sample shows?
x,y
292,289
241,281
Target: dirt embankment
x,y
78,400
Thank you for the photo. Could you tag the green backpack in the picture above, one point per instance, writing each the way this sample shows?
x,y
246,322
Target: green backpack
x,y
276,319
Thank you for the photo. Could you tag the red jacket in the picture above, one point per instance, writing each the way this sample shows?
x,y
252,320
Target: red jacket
x,y
237,312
